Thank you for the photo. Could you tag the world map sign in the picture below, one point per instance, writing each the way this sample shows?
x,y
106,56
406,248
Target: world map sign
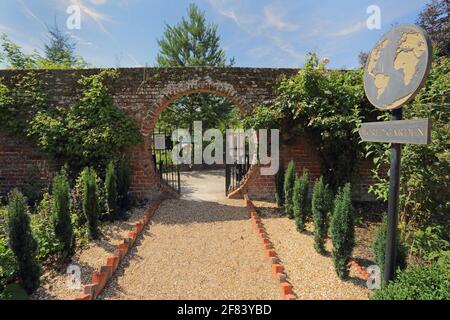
x,y
397,67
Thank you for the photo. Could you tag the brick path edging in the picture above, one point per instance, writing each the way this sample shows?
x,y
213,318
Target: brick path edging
x,y
101,277
364,274
278,270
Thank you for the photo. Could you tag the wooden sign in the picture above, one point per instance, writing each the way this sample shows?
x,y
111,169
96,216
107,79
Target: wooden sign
x,y
402,131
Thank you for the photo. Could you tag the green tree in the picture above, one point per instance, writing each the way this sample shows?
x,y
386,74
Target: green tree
x,y
61,213
322,204
289,180
342,230
123,183
90,201
22,241
279,186
434,18
111,191
193,42
300,200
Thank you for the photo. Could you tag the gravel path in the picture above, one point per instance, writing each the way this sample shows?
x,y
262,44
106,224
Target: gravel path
x,y
311,274
201,246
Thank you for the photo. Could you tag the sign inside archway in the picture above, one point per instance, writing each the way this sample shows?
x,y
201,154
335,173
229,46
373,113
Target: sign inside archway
x,y
397,68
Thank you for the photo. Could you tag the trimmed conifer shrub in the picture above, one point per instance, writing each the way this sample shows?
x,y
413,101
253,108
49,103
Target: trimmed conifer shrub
x,y
342,230
379,248
279,186
111,191
300,200
90,202
61,213
22,241
123,184
322,203
289,181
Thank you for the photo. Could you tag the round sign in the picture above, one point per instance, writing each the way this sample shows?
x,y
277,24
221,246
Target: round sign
x,y
397,67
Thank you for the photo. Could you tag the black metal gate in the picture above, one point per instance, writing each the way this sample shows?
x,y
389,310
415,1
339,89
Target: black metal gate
x,y
235,173
162,158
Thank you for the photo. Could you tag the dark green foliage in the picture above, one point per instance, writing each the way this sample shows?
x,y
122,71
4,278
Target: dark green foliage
x,y
421,282
342,230
300,200
123,183
90,202
22,241
111,191
8,264
279,186
379,248
322,204
289,180
31,188
61,213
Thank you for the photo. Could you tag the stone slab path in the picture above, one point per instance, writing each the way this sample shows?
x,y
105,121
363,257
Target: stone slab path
x,y
200,246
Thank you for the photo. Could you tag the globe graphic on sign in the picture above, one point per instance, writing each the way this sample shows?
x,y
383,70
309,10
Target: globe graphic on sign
x,y
397,67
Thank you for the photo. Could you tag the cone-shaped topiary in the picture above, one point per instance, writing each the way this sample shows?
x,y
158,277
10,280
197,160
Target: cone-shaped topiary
x,y
322,203
22,241
279,186
300,200
379,248
90,201
123,183
289,181
342,230
111,191
62,222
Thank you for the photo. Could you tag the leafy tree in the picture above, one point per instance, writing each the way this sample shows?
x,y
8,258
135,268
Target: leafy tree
x,y
61,213
322,203
14,57
111,191
300,200
342,230
362,58
435,20
22,241
193,42
289,180
90,201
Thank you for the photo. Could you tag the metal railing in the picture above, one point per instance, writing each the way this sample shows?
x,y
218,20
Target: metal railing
x,y
235,173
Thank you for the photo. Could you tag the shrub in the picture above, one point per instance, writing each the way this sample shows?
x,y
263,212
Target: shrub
x,y
61,213
22,241
322,202
289,180
90,202
31,187
342,229
111,191
123,183
379,248
421,282
430,243
300,199
279,185
8,264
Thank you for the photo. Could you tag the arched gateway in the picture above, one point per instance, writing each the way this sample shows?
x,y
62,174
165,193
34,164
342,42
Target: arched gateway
x,y
143,93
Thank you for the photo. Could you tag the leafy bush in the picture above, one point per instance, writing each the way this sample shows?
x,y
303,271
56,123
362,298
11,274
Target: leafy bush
x,y
123,183
111,191
379,248
31,187
279,186
8,264
22,241
42,228
322,204
421,282
289,180
342,230
61,213
90,201
429,243
300,200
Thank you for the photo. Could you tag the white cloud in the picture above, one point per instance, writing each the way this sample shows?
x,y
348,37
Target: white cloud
x,y
274,17
354,28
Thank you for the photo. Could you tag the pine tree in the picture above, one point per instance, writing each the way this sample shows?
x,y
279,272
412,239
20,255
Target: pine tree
x,y
111,191
90,202
61,213
342,229
279,186
289,180
300,200
123,184
22,241
322,202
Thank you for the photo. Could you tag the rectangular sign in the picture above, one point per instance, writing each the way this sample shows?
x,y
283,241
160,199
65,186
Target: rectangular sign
x,y
401,131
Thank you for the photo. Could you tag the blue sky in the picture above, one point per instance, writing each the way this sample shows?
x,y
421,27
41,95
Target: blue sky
x,y
257,33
